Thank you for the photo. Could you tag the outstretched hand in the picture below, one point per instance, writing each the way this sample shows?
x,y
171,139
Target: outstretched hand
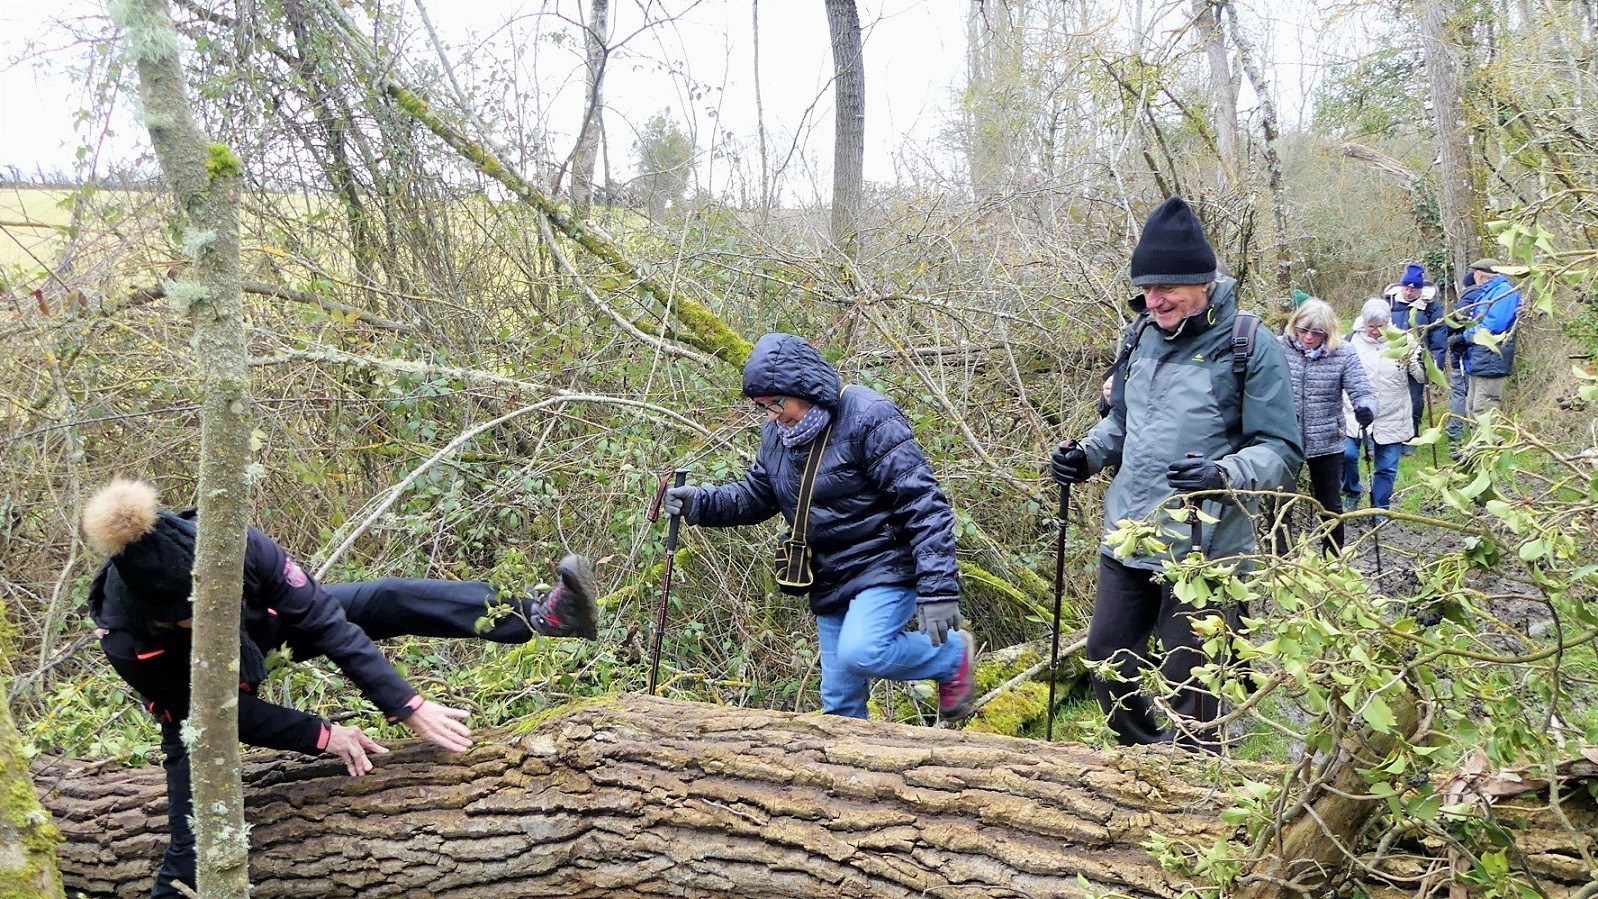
x,y
441,725
353,746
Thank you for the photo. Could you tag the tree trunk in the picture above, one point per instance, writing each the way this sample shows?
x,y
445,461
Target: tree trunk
x,y
587,154
1457,204
205,178
1223,90
27,837
849,141
1273,162
643,797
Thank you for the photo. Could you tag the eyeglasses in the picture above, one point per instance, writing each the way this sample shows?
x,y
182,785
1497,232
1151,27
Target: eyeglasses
x,y
772,408
1315,331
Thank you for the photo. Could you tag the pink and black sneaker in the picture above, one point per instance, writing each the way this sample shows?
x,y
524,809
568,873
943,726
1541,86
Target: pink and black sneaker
x,y
568,609
957,696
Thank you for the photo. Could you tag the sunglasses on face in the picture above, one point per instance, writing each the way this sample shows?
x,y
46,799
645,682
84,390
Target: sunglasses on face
x,y
1315,331
773,408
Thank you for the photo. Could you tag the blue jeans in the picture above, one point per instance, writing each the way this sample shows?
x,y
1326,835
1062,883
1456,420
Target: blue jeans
x,y
868,640
1458,386
1386,460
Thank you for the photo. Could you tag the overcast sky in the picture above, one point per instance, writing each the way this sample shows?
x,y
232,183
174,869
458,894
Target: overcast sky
x,y
698,67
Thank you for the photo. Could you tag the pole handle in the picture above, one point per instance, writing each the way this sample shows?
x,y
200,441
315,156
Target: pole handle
x,y
679,478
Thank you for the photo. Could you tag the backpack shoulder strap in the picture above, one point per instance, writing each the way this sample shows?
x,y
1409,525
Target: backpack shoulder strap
x,y
1244,325
1134,333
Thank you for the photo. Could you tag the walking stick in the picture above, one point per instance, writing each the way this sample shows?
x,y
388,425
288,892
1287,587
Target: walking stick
x,y
1198,526
676,479
1059,593
1370,472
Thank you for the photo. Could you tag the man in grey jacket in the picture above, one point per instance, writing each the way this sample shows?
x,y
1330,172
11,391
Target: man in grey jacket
x,y
1179,428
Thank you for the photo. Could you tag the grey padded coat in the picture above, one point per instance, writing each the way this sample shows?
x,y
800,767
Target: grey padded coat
x,y
1180,396
1318,388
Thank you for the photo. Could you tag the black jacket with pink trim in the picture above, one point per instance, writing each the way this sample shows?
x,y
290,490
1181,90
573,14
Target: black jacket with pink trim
x,y
282,607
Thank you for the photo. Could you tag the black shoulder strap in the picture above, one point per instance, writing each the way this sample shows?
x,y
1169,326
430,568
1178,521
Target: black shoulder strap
x,y
1134,333
1244,324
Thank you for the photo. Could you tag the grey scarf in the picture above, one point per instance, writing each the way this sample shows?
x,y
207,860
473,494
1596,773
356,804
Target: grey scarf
x,y
805,429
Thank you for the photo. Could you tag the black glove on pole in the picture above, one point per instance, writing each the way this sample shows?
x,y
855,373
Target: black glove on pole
x,y
679,478
1059,593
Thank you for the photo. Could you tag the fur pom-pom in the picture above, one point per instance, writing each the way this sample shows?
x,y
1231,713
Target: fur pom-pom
x,y
120,513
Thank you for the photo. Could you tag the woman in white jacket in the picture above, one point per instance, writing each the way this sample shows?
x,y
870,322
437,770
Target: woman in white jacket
x,y
1393,426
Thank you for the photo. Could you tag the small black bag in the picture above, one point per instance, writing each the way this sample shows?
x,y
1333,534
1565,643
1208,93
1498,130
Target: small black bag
x,y
795,573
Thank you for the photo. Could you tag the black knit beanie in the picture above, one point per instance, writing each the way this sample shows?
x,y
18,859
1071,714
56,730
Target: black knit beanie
x,y
1172,249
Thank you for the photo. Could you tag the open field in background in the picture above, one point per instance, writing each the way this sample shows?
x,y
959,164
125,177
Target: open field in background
x,y
30,218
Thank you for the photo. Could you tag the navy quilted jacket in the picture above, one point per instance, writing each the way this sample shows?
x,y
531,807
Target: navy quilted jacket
x,y
878,517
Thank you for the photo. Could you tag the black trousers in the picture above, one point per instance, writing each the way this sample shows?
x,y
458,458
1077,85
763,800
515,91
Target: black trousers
x,y
1325,485
390,607
1130,607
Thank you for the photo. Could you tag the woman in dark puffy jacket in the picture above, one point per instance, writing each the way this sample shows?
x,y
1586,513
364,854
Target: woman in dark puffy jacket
x,y
1323,369
881,532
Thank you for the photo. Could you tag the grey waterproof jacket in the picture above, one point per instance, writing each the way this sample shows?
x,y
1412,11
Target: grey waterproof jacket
x,y
878,517
1180,396
1318,388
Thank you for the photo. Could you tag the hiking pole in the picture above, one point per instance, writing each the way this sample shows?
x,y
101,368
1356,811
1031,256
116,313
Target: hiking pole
x,y
1059,593
1198,526
676,479
1366,442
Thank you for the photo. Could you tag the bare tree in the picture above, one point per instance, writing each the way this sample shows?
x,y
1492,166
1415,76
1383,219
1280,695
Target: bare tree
x,y
1456,181
583,160
1273,162
205,177
849,142
1223,88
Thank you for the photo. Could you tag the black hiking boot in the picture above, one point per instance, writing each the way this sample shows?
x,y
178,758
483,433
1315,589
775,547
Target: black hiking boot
x,y
568,609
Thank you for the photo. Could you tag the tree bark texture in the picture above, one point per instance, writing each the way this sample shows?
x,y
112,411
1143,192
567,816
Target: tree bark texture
x,y
205,179
28,867
640,797
1273,161
1223,89
849,139
649,797
1457,204
586,157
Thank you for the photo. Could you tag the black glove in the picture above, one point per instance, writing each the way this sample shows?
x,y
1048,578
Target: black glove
x,y
679,500
1069,464
939,615
1364,415
1195,474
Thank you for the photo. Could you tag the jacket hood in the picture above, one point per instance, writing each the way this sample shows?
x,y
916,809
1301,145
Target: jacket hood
x,y
785,365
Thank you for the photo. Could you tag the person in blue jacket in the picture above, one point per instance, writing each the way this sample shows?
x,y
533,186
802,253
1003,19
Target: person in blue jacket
x,y
880,528
139,601
1415,307
1484,334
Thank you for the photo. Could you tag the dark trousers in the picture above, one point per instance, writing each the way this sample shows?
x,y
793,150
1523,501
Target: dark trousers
x,y
1130,607
390,607
1325,485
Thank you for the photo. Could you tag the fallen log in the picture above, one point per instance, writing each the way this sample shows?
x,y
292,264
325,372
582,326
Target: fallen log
x,y
635,796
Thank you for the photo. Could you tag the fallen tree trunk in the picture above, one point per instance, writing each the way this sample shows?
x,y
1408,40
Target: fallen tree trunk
x,y
636,797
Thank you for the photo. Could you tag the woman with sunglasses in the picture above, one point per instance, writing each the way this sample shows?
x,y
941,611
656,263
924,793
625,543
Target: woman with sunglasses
x,y
1323,370
880,529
